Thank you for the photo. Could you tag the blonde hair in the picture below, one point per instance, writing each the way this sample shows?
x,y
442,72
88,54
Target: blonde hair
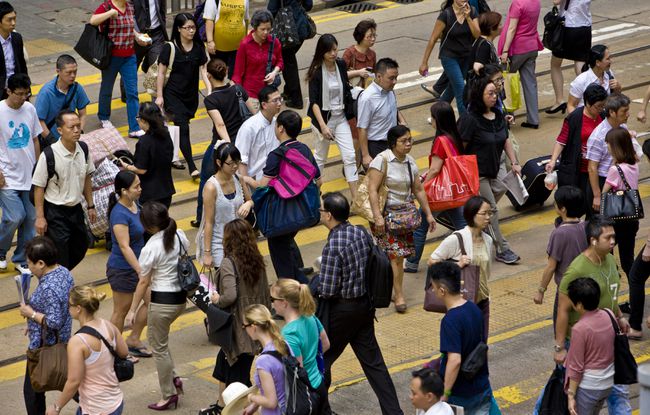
x,y
297,295
86,297
260,316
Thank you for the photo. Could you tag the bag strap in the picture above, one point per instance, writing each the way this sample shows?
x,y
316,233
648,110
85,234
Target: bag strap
x,y
172,56
617,328
181,251
66,104
448,31
620,171
461,244
408,165
445,146
566,5
269,60
91,331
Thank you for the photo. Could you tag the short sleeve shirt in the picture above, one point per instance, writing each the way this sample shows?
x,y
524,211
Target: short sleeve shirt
x,y
582,81
397,176
225,100
578,14
597,148
18,128
50,102
606,275
67,185
566,242
255,141
275,368
272,167
438,148
302,335
631,172
155,154
121,215
229,18
526,37
377,111
162,265
457,38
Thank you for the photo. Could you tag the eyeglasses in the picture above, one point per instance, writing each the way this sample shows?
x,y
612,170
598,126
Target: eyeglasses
x,y
231,163
244,326
277,100
274,299
189,28
487,213
498,80
405,140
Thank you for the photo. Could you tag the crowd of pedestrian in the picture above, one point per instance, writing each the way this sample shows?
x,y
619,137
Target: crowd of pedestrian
x,y
46,197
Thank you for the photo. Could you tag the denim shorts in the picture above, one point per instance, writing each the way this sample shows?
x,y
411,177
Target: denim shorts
x,y
122,280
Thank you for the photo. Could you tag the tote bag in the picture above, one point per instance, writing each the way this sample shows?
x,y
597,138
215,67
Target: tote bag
x,y
277,216
625,366
361,204
457,181
48,365
622,205
469,283
95,46
512,86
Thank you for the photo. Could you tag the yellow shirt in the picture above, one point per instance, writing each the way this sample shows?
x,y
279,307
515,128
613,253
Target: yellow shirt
x,y
230,25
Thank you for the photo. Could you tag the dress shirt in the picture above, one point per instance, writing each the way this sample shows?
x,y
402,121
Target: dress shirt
x,y
597,148
255,140
343,266
377,109
10,61
153,14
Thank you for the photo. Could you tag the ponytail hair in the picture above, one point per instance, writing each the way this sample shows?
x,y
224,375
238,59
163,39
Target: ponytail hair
x,y
260,316
154,215
123,180
597,53
87,297
297,295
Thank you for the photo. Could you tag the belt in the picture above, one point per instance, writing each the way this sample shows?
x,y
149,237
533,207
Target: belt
x,y
174,298
357,300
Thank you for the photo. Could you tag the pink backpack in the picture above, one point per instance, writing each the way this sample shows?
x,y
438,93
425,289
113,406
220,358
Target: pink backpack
x,y
296,172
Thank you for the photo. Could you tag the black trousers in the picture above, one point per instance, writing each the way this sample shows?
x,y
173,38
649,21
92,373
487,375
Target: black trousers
x,y
353,323
286,258
34,401
376,147
66,226
185,145
292,88
625,238
637,277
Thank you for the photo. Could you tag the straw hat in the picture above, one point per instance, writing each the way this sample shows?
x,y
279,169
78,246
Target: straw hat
x,y
235,397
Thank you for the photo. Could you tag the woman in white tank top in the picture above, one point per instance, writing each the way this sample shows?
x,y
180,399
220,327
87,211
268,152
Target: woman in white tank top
x,y
90,363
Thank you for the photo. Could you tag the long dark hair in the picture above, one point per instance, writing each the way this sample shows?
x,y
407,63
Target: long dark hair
x,y
123,180
155,215
597,53
222,153
179,21
240,244
476,90
620,144
151,113
445,4
325,44
443,114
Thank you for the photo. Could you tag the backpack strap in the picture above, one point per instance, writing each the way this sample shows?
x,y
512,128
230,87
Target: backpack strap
x,y
273,353
84,148
50,162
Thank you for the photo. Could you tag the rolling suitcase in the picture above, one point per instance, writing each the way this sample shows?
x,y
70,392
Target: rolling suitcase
x,y
533,174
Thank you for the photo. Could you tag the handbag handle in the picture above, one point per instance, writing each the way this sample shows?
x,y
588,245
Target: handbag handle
x,y
269,60
44,329
620,171
617,328
408,165
461,244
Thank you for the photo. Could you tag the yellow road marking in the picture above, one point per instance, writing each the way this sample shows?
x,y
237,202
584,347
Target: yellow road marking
x,y
386,5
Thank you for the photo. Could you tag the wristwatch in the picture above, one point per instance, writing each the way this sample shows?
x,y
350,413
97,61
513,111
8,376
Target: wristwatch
x,y
541,290
91,207
558,348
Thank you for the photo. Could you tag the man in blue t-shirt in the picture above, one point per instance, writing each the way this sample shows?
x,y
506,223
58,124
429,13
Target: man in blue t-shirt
x,y
59,94
461,331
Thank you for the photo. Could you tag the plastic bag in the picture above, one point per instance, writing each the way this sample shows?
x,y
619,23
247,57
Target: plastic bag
x,y
512,86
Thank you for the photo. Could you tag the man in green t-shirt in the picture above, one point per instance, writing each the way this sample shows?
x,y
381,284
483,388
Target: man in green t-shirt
x,y
597,263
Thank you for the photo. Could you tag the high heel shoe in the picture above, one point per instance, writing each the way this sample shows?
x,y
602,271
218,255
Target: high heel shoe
x,y
553,110
179,385
173,400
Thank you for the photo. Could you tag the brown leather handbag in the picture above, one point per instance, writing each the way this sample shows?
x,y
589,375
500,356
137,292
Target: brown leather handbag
x,y
469,285
48,365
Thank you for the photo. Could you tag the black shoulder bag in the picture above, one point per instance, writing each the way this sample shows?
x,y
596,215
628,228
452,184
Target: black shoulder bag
x,y
622,205
124,368
625,367
95,46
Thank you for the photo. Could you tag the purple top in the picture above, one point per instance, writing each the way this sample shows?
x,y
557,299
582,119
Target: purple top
x,y
273,366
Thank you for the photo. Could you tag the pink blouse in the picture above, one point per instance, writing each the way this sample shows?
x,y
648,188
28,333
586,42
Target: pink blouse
x,y
526,37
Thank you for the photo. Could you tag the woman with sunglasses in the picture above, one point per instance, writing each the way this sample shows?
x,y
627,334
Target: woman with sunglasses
x,y
303,332
224,200
179,97
478,248
241,281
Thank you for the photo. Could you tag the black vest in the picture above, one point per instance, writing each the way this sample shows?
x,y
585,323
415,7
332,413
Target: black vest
x,y
568,172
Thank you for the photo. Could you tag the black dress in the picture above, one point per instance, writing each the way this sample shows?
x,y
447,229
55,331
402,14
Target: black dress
x,y
154,154
181,94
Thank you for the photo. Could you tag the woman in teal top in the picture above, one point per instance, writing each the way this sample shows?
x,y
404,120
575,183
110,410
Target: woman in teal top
x,y
302,332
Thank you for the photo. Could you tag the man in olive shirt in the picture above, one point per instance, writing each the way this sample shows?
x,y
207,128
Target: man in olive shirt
x,y
597,263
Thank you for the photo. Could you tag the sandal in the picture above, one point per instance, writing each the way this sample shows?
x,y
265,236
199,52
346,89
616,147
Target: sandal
x,y
139,351
132,358
431,91
401,308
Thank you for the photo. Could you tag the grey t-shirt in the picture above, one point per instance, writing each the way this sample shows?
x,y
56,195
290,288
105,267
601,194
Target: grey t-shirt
x,y
566,242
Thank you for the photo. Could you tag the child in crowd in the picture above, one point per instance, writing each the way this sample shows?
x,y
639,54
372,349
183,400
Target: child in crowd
x,y
426,390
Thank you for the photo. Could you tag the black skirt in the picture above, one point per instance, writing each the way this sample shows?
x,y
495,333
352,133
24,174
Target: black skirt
x,y
576,44
239,372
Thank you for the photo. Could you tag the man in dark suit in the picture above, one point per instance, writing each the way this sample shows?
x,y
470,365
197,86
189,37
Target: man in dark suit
x,y
12,56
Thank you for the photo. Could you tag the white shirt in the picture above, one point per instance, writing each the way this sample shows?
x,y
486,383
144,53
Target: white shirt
x,y
439,408
582,81
162,265
18,128
255,140
578,14
66,187
8,50
397,176
153,14
377,111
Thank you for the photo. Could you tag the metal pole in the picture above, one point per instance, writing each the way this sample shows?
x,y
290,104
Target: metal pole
x,y
176,5
644,383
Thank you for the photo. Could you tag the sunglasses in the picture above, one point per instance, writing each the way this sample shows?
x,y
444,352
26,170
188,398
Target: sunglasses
x,y
273,299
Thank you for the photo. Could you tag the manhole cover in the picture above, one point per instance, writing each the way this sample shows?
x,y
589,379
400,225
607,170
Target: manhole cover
x,y
406,1
359,7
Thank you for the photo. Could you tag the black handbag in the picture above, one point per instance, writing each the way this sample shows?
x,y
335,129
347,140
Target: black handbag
x,y
554,400
95,46
622,205
124,368
269,64
625,367
553,37
187,272
379,275
474,362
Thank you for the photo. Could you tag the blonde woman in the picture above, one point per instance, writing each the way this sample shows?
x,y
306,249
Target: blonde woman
x,y
302,331
90,363
269,371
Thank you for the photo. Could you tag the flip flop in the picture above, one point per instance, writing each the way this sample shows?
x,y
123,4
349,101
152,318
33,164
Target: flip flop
x,y
140,351
132,358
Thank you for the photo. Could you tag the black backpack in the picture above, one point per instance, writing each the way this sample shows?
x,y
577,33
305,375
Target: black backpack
x,y
301,398
51,165
379,275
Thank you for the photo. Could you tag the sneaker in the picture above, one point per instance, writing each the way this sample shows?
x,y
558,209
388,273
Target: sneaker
x,y
3,263
107,124
136,134
507,257
23,269
410,267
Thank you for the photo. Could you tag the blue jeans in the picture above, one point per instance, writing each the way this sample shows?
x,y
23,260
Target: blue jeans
x,y
456,69
484,404
207,170
420,234
118,411
18,213
128,70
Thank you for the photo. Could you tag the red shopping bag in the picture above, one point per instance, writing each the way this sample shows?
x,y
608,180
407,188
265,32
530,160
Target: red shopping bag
x,y
456,182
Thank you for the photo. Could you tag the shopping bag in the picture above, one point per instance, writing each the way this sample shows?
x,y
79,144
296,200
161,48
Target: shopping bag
x,y
277,216
554,400
512,86
456,182
103,180
103,142
174,133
